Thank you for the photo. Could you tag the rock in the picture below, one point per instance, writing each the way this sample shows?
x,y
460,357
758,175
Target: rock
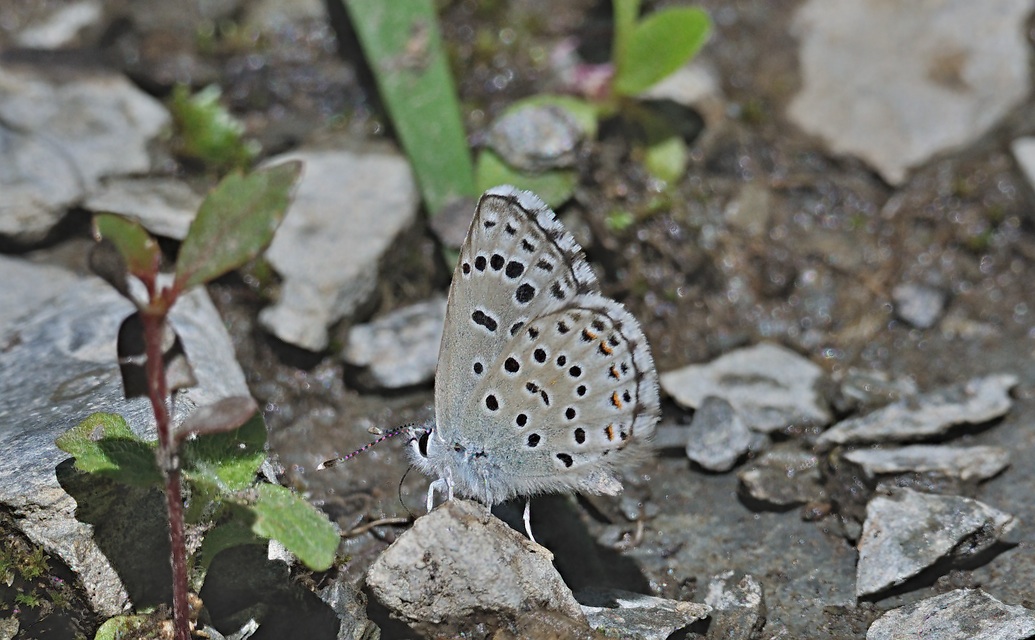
x,y
917,304
350,605
770,387
459,567
870,389
963,614
547,625
400,349
907,531
347,212
164,206
738,606
895,84
536,138
963,463
450,224
61,26
749,212
717,437
62,136
57,366
1024,152
928,415
782,478
634,616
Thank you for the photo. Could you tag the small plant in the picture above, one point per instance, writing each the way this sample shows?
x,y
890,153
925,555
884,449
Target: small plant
x,y
403,47
213,457
207,132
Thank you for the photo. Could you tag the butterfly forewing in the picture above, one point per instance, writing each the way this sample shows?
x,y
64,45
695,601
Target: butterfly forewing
x,y
516,264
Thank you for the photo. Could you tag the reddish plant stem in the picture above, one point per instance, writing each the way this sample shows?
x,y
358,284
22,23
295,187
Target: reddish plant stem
x,y
168,461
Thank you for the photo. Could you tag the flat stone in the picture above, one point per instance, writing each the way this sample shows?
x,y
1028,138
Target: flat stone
x,y
963,614
459,567
61,26
928,415
400,349
536,138
963,463
769,386
717,436
870,389
58,365
897,83
738,606
62,136
782,478
634,616
907,531
348,210
918,304
164,206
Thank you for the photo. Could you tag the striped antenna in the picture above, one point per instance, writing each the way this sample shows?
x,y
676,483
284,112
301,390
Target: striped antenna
x,y
336,461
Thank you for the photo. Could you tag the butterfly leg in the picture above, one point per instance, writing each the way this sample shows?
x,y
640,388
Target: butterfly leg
x,y
442,485
527,519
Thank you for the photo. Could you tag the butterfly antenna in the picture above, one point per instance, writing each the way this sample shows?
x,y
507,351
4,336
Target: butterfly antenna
x,y
401,501
327,464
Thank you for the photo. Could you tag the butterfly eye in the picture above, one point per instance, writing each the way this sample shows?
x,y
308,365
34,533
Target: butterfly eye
x,y
457,447
422,443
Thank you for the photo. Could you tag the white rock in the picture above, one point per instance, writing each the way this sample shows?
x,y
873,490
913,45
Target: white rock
x,y
895,83
908,531
1024,152
637,616
62,26
963,614
61,137
400,349
164,206
770,387
965,463
347,212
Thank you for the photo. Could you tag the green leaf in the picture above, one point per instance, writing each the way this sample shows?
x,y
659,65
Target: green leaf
x,y
136,246
625,13
120,627
667,159
236,222
207,130
299,526
403,47
104,444
554,187
226,461
661,43
231,534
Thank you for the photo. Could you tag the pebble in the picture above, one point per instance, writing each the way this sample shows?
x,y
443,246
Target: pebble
x,y
963,463
635,616
963,614
400,349
717,436
929,415
907,531
738,606
770,387
536,138
896,84
459,567
783,478
918,304
348,210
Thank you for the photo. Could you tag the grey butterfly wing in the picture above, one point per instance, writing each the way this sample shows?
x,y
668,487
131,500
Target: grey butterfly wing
x,y
516,264
571,398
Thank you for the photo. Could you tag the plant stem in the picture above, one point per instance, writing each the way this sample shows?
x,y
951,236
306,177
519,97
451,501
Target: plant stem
x,y
157,387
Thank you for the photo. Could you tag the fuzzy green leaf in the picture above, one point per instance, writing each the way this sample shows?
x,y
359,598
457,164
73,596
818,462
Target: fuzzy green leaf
x,y
303,529
554,187
403,47
229,460
207,130
667,159
104,444
236,222
230,534
132,626
661,43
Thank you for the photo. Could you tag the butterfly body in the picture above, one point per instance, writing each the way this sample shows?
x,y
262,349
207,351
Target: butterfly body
x,y
543,384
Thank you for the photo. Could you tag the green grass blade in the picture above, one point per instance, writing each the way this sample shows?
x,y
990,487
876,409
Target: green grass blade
x,y
403,46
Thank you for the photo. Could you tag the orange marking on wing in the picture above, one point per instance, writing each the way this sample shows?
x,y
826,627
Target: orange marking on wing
x,y
615,400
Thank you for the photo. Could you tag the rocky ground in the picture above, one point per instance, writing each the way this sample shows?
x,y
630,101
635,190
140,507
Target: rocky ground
x,y
838,295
